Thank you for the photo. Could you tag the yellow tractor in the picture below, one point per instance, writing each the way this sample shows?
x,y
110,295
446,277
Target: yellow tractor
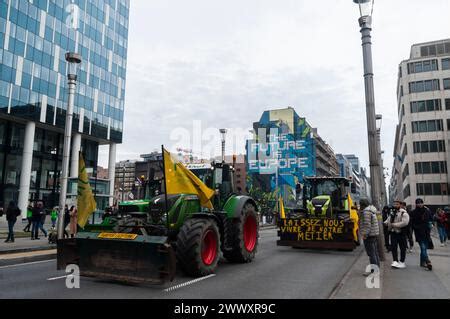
x,y
327,219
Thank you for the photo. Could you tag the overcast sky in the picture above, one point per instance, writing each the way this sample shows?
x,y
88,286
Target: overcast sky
x,y
225,62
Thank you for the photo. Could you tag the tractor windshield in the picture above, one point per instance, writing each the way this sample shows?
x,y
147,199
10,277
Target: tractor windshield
x,y
324,188
205,175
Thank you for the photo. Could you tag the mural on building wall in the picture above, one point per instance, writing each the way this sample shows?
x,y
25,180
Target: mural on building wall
x,y
281,154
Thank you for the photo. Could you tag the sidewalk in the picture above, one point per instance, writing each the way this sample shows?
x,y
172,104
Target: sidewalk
x,y
414,282
24,245
18,228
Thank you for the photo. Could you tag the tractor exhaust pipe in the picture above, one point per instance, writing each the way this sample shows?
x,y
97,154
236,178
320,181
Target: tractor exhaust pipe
x,y
223,133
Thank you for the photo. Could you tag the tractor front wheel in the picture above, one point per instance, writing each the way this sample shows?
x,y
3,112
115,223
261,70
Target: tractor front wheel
x,y
242,236
198,245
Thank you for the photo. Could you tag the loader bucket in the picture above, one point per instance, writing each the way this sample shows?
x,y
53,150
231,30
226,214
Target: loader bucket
x,y
119,257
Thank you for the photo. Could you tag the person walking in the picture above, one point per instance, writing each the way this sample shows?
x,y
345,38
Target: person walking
x,y
397,222
66,221
54,216
36,220
29,218
369,231
409,231
447,225
12,212
43,215
73,221
441,222
422,219
385,214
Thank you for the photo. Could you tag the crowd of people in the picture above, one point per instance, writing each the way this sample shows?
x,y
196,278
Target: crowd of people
x,y
36,217
400,227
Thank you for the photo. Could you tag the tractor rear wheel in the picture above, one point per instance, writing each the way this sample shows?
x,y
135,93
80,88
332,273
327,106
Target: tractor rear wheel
x,y
198,243
242,236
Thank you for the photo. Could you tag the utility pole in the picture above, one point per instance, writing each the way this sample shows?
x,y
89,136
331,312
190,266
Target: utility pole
x,y
365,23
73,60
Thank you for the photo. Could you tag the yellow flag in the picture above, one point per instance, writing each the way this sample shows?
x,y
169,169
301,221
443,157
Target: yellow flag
x,y
85,201
180,180
353,216
282,213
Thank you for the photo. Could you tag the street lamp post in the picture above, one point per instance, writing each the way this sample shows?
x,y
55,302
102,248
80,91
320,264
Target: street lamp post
x,y
73,60
365,22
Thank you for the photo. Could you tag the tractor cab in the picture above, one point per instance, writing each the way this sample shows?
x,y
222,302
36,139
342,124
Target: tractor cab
x,y
217,176
325,196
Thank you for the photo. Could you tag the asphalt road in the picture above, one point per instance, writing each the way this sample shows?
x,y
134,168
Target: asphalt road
x,y
276,273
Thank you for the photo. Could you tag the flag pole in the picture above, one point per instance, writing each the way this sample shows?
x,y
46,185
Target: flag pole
x,y
165,189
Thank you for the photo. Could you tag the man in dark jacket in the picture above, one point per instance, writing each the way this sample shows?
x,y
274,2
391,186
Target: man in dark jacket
x,y
422,219
385,213
36,219
12,212
409,230
66,220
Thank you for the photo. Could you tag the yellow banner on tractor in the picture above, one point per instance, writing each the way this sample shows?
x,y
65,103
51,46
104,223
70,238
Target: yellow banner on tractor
x,y
180,180
86,204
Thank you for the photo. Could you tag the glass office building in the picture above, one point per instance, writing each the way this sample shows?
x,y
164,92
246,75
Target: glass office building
x,y
34,37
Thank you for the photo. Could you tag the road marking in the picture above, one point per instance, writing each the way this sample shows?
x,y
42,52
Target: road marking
x,y
26,264
56,278
188,283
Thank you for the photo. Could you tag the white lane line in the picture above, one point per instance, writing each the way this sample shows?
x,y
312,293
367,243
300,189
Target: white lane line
x,y
56,278
26,264
188,283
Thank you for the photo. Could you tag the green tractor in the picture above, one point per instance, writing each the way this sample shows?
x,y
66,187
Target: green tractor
x,y
146,240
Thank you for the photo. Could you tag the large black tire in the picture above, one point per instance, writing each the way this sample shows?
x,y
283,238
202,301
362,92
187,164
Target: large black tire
x,y
196,238
242,235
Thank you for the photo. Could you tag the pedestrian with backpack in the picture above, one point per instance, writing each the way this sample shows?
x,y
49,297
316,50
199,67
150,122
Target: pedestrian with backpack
x,y
422,220
397,223
369,231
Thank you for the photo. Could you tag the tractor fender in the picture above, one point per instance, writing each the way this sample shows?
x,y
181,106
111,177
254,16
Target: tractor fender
x,y
208,216
235,204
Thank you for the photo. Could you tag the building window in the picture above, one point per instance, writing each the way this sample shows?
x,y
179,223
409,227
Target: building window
x,y
432,189
405,171
429,50
446,84
447,104
424,86
403,110
426,106
445,64
407,191
427,126
423,66
405,151
431,167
